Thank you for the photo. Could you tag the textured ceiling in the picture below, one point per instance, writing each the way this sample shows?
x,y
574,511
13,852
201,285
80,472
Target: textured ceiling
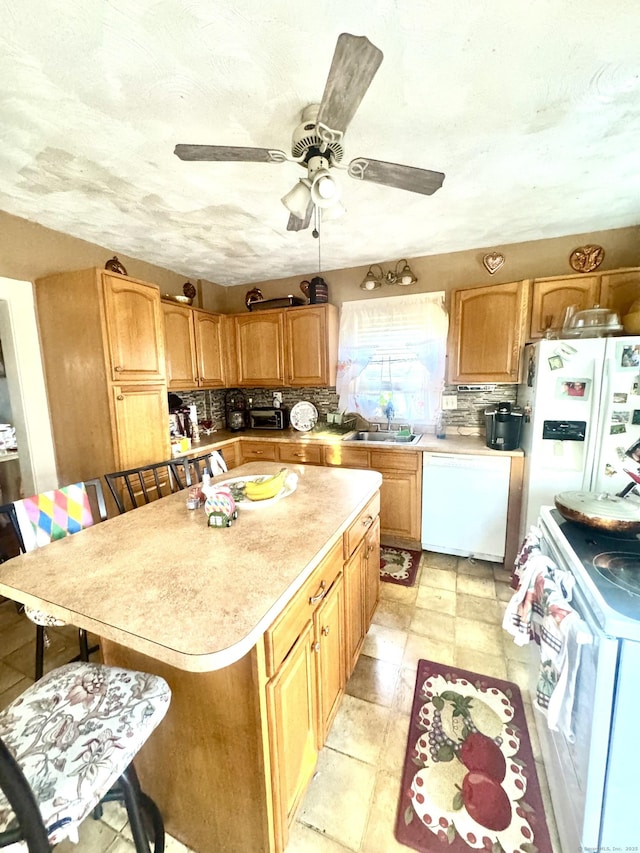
x,y
531,109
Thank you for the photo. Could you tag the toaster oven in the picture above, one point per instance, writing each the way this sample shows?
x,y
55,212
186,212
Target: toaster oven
x,y
268,418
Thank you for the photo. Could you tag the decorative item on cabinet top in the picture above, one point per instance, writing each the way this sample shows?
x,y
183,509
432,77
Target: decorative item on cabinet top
x,y
114,265
493,261
316,290
178,297
251,296
189,290
586,258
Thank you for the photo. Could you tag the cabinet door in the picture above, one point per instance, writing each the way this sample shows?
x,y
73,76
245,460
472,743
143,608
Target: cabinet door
x,y
180,347
307,346
260,345
619,289
552,296
354,607
135,334
141,433
400,499
371,569
209,349
292,714
487,332
329,648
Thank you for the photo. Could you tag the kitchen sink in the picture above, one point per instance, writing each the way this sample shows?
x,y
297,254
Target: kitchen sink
x,y
390,436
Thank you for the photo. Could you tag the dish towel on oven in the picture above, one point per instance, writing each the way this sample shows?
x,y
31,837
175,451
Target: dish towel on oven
x,y
540,611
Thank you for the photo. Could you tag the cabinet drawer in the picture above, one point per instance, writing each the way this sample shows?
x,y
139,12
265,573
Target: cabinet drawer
x,y
258,450
355,533
346,457
281,636
399,460
301,453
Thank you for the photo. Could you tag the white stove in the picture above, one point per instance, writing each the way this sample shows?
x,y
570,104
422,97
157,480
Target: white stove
x,y
592,773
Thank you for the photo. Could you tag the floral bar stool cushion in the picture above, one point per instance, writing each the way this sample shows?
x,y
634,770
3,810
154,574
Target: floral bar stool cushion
x,y
74,733
48,516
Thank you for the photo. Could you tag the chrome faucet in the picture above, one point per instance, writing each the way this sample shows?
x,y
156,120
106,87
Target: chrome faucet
x,y
389,412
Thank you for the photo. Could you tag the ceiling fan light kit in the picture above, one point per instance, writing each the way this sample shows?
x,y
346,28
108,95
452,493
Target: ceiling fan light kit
x,y
317,143
376,276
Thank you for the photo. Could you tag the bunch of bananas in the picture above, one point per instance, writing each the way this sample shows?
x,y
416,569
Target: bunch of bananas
x,y
267,487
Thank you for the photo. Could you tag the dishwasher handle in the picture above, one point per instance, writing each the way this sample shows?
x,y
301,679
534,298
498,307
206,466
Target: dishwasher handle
x,y
466,461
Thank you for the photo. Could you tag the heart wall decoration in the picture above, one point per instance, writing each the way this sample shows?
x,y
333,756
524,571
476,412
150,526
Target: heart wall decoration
x,y
493,262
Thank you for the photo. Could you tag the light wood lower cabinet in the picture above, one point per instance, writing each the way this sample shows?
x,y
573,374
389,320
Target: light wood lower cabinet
x,y
361,579
400,493
292,709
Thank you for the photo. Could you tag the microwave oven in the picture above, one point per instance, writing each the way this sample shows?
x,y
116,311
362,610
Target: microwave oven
x,y
268,418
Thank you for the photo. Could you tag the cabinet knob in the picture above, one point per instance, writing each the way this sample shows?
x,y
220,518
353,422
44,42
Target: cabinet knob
x,y
368,521
120,397
325,630
316,648
118,368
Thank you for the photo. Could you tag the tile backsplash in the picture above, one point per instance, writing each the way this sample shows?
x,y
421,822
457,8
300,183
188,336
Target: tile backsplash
x,y
468,416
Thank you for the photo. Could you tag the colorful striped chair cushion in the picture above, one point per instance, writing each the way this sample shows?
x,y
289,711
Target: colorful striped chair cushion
x,y
53,515
48,516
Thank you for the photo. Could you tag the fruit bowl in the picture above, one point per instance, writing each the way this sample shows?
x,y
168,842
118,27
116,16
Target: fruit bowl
x,y
238,485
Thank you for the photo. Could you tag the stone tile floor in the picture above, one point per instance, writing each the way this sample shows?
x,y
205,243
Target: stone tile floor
x,y
452,615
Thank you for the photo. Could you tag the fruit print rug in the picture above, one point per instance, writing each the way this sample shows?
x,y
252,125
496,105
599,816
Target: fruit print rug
x,y
399,565
469,780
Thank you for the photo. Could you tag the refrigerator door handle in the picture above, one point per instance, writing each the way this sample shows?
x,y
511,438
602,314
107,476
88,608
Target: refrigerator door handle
x,y
603,422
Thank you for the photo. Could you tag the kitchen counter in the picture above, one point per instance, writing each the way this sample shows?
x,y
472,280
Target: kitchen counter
x,y
167,594
468,444
159,581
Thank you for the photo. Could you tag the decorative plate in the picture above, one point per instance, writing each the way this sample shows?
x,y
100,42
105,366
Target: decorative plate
x,y
303,416
236,485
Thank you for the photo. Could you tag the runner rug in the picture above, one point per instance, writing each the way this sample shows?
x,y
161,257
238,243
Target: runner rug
x,y
469,779
399,565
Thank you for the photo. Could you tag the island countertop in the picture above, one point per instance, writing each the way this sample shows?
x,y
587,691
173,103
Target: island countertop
x,y
160,581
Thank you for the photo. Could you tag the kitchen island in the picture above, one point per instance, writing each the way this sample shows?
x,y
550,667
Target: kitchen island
x,y
255,627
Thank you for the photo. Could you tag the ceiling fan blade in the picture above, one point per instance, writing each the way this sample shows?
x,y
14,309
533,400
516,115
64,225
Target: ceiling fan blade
x,y
295,224
394,175
226,152
353,67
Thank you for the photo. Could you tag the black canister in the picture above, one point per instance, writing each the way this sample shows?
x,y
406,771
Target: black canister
x,y
503,424
318,290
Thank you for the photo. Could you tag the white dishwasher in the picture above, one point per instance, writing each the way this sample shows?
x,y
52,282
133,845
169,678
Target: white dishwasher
x,y
464,504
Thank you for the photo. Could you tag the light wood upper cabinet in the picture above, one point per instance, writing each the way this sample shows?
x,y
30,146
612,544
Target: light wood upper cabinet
x,y
194,348
311,343
260,348
550,297
102,341
487,332
209,349
290,347
180,346
618,289
134,330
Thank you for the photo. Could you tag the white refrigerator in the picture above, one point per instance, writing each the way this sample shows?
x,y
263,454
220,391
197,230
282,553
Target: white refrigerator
x,y
581,424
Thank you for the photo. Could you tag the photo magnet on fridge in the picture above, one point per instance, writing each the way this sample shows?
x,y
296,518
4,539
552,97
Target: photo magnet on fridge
x,y
616,429
573,388
555,362
635,418
620,398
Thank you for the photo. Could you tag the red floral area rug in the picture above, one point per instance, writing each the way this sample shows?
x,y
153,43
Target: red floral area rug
x,y
399,565
469,779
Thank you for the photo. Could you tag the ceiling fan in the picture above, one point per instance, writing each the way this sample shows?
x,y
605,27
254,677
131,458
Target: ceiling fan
x,y
317,141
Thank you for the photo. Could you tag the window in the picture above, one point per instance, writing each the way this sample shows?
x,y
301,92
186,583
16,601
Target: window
x,y
392,351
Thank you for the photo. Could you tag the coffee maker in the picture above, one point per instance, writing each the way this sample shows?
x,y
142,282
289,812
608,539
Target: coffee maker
x,y
235,407
503,423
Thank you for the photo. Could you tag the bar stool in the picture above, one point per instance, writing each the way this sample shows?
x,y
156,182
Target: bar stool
x,y
67,745
135,487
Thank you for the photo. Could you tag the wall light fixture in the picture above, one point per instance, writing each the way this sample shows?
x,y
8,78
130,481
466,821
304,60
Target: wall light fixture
x,y
376,276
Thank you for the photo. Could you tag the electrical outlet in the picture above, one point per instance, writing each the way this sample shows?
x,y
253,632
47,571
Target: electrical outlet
x,y
449,401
